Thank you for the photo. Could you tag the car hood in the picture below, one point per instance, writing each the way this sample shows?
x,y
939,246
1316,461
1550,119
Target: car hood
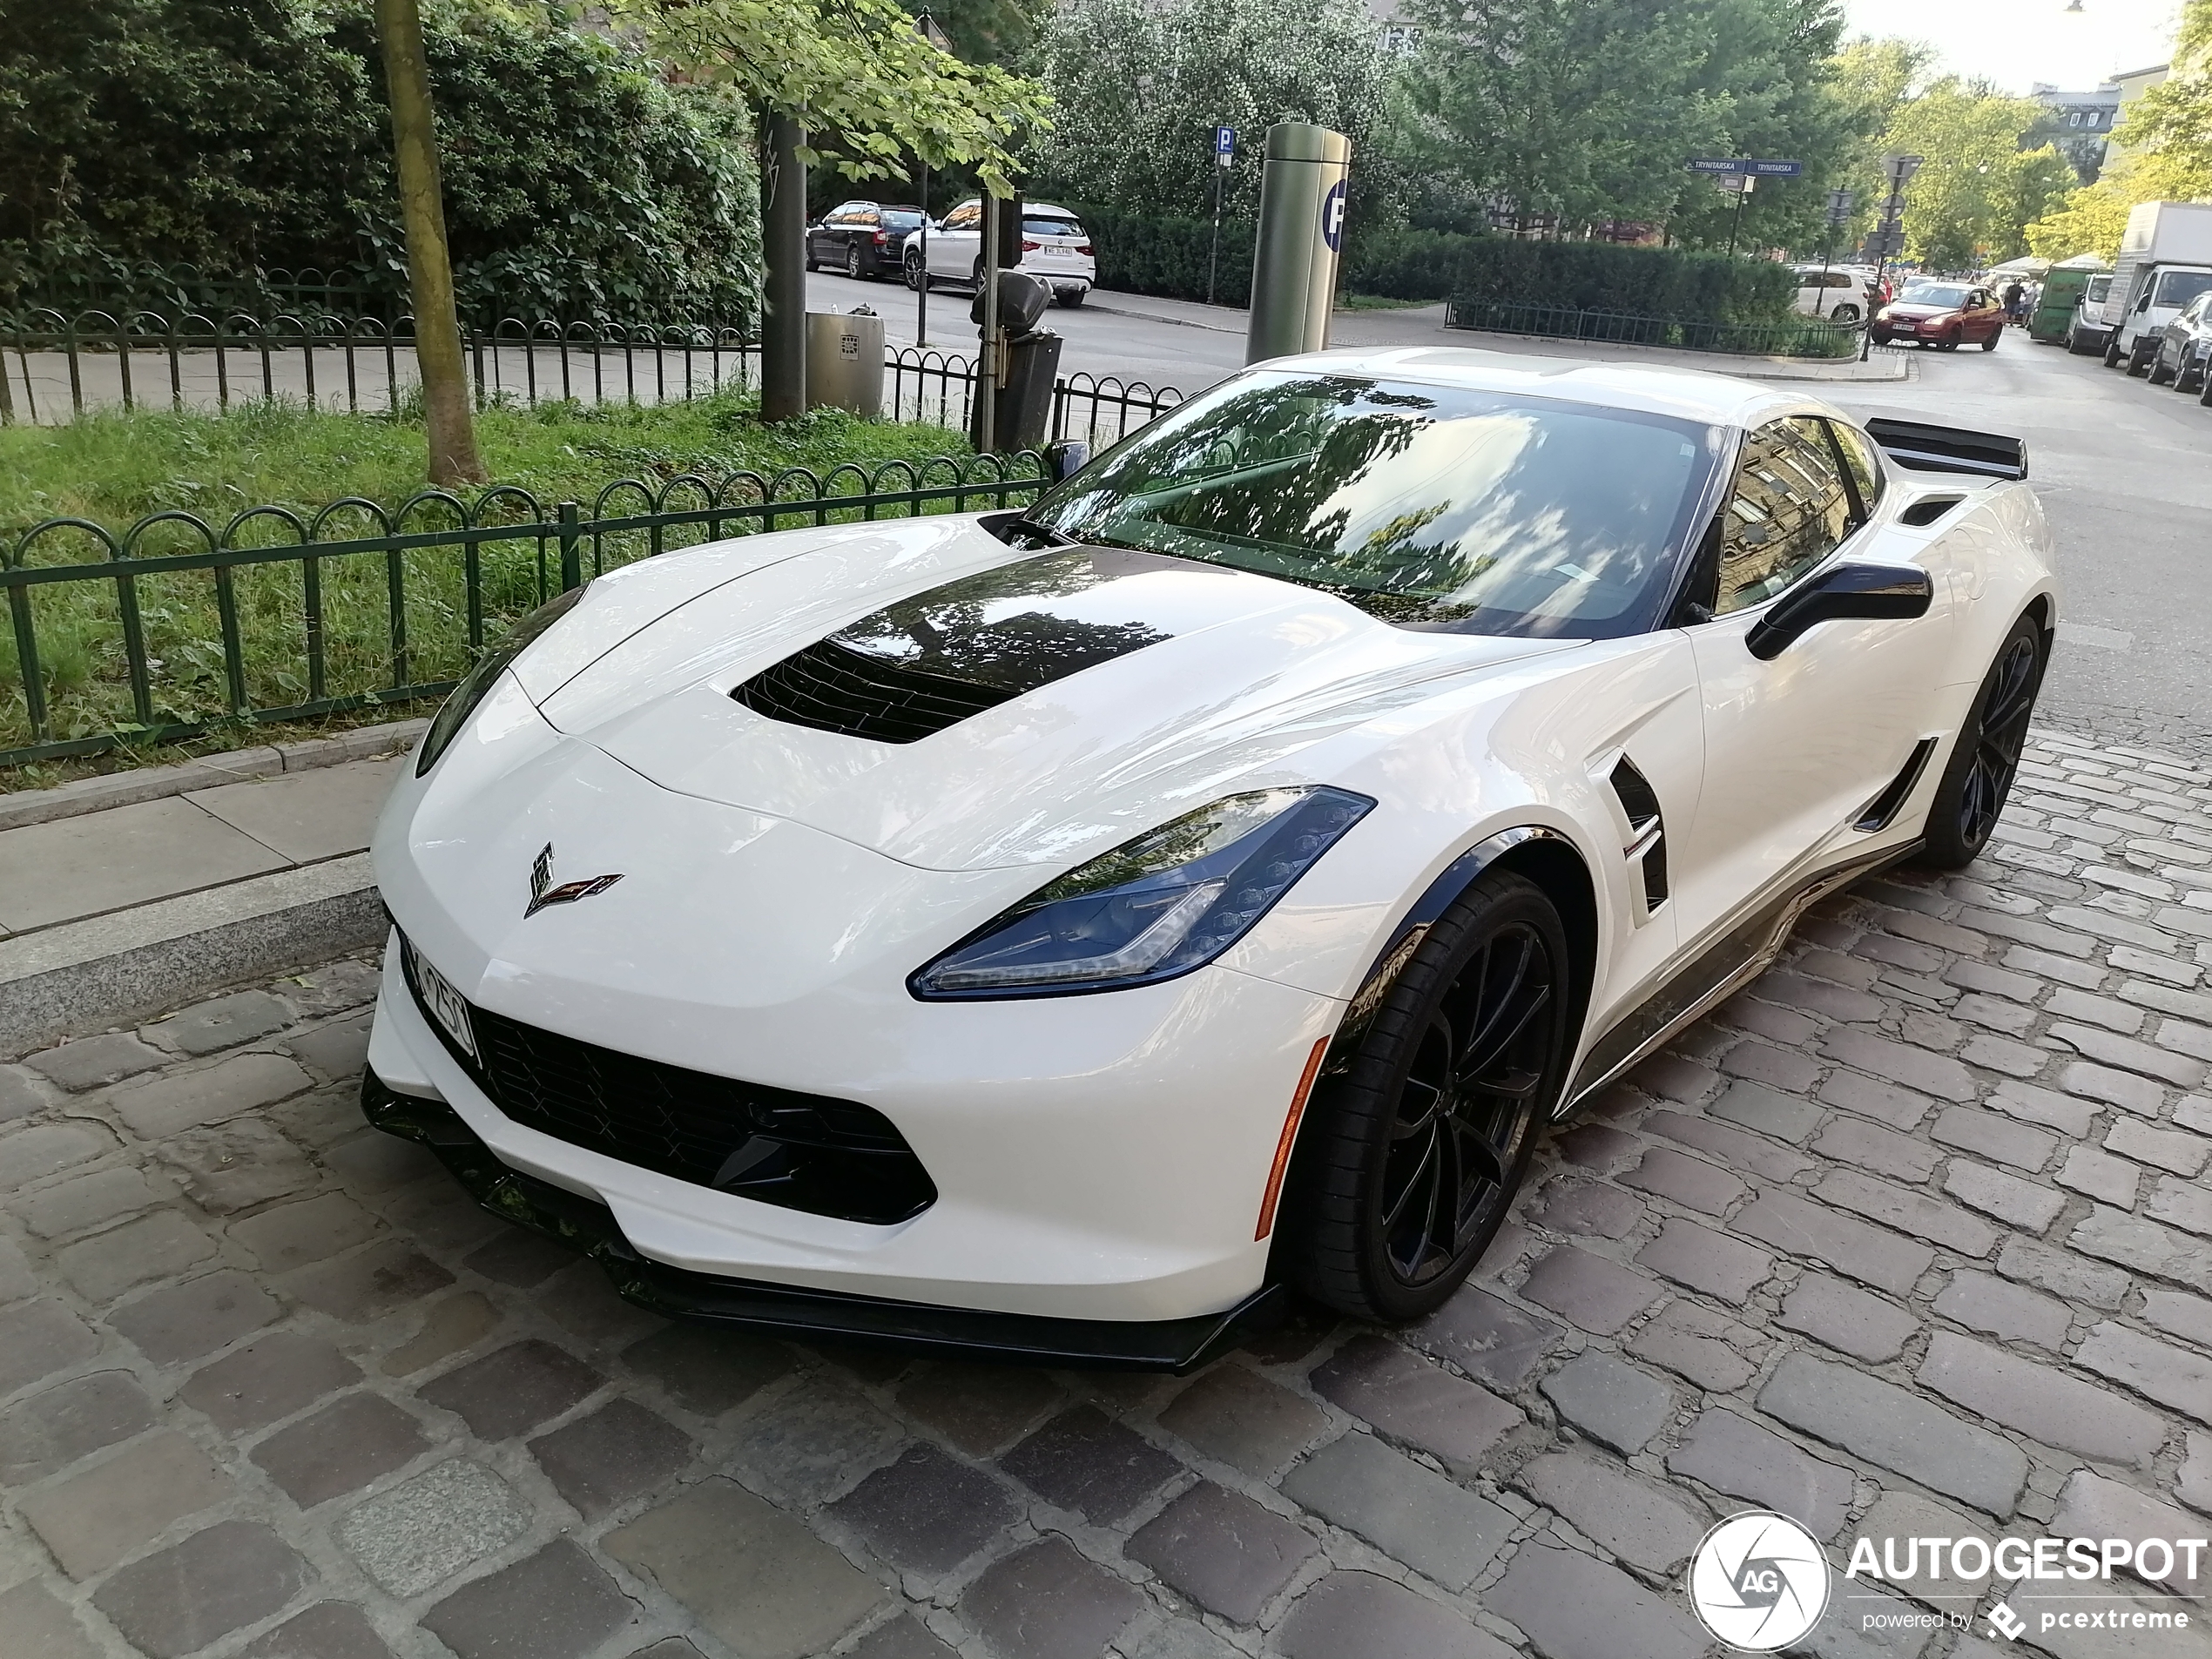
x,y
926,692
1906,312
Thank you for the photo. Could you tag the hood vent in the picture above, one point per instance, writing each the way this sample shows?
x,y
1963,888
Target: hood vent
x,y
861,696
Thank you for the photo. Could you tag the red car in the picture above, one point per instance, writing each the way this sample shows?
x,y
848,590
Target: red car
x,y
1943,314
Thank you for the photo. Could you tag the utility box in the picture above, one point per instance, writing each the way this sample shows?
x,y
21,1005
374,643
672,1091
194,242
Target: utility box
x,y
1301,233
844,362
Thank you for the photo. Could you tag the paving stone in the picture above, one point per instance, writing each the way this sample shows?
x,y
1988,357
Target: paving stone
x,y
2071,1117
235,1166
1847,1318
514,1389
1742,1459
180,1599
93,1519
2195,1482
1594,1146
340,1448
583,1302
2171,1376
32,1154
2114,1236
1696,1343
928,1512
156,1247
980,1409
1730,1146
1983,1303
904,1637
163,1106
1365,1614
311,1230
2010,1200
1845,1002
2061,1272
754,1578
1908,1211
810,1441
2120,1089
52,1429
1901,1108
1222,1550
1415,1403
2100,1176
184,1321
1048,1603
93,1062
708,1372
1997,1014
1898,1429
1706,1260
425,1530
19,1097
38,1339
1990,1136
1244,1420
326,1630
224,1022
269,1377
451,1327
556,1604
16,1280
366,1285
1609,1401
1575,1608
2070,1004
609,1456
2043,1403
34,1624
438,1215
339,1050
1786,1117
1783,1069
2092,1507
1801,1228
85,1201
2184,1203
2185,1316
1898,1157
1084,1461
2182,1153
1489,1339
2129,1054
1644,1525
1598,1295
520,1258
1672,1077
1589,1208
1897,1063
1420,1519
1689,1182
1901,1515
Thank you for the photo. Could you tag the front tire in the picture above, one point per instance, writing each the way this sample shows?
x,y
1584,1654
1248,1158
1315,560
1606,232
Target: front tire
x,y
1414,1152
1843,314
1990,344
1986,758
2157,370
916,280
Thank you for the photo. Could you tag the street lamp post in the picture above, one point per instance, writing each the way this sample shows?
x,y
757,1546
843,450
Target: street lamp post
x,y
1890,235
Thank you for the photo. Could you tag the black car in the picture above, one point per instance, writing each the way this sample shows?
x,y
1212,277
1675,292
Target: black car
x,y
2184,357
862,239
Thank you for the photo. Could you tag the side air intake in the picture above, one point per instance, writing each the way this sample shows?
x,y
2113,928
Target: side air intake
x,y
1649,831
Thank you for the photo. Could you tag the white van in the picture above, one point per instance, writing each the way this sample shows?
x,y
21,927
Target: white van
x,y
1054,249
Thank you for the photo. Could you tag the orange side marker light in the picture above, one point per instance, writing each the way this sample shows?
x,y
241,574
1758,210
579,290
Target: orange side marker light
x,y
1289,1135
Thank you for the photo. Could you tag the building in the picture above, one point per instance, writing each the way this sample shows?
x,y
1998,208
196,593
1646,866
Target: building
x,y
2080,122
2132,86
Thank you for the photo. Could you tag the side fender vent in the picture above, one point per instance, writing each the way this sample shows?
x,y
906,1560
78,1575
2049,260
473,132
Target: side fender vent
x,y
1647,843
1928,509
1886,805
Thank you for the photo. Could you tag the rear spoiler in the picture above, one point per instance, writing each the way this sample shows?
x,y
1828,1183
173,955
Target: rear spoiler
x,y
1921,448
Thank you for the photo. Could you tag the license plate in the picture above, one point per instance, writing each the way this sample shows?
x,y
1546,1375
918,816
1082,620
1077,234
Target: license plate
x,y
447,1007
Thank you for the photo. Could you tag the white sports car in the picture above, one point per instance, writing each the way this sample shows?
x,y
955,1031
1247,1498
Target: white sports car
x,y
1063,932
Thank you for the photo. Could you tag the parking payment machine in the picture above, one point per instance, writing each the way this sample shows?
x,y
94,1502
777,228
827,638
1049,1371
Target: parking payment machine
x,y
1301,233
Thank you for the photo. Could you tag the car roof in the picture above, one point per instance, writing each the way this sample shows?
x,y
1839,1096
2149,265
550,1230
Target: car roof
x,y
1649,389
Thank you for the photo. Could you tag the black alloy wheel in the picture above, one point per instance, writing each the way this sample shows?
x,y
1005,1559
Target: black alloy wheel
x,y
1986,757
852,261
1412,1153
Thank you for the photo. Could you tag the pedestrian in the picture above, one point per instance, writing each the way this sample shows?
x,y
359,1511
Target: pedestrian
x,y
2014,292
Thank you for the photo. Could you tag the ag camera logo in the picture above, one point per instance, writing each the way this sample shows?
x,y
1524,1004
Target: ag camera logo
x,y
1758,1581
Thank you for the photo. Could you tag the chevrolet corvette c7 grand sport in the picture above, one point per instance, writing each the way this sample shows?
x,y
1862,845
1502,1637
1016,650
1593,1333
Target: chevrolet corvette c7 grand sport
x,y
1066,931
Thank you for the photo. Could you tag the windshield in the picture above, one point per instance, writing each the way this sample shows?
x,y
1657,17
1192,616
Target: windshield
x,y
2179,287
1431,507
2098,286
1950,295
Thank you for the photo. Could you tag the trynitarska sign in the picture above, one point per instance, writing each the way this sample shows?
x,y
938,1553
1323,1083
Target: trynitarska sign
x,y
1755,169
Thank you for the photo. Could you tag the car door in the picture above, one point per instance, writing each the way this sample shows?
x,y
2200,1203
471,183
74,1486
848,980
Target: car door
x,y
1798,746
954,244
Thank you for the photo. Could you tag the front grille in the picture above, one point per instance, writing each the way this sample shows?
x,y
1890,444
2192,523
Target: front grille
x,y
835,689
828,1156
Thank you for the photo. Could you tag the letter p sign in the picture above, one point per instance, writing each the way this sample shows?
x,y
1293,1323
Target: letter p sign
x,y
1332,218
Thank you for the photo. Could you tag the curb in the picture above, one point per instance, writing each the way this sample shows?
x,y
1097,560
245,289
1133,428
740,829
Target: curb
x,y
88,975
27,807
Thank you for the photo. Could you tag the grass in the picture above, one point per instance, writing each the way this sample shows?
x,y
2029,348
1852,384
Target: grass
x,y
1381,302
116,469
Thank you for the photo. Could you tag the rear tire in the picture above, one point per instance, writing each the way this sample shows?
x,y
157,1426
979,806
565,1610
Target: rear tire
x,y
916,280
2205,396
1411,1154
1843,314
1986,758
2112,349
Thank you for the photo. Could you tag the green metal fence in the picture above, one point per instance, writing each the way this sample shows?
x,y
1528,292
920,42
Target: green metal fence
x,y
177,625
1794,337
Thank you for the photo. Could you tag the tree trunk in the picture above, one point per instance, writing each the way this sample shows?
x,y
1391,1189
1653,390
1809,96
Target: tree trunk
x,y
429,263
783,236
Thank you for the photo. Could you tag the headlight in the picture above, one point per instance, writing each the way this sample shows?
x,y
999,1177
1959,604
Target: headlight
x,y
461,701
1167,902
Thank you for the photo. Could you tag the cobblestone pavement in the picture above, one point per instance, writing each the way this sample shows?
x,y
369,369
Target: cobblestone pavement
x,y
1912,1238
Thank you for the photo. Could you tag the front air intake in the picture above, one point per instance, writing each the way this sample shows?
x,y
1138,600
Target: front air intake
x,y
860,695
1648,830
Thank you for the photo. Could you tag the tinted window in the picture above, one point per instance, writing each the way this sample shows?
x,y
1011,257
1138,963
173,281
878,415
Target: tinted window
x,y
2179,287
1041,225
1431,507
1787,512
966,217
898,218
1860,457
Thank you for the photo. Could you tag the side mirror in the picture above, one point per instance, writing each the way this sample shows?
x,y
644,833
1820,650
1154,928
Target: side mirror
x,y
1064,458
1856,592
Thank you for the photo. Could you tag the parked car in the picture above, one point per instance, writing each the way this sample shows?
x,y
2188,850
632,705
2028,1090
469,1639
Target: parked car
x,y
1055,249
2084,333
2164,261
862,239
1842,293
2184,348
1943,314
2162,295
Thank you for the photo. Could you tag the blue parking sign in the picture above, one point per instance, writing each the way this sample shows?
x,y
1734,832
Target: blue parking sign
x,y
1224,141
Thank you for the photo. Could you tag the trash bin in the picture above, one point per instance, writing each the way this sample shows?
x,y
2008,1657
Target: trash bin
x,y
1023,412
845,362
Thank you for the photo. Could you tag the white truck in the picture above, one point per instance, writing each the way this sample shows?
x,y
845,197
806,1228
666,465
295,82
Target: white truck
x,y
2165,262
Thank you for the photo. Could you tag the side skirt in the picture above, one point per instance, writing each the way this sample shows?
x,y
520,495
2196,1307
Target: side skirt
x,y
1737,957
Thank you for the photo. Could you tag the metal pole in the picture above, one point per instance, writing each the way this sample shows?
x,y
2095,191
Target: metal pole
x,y
1742,191
1213,258
921,288
987,359
783,333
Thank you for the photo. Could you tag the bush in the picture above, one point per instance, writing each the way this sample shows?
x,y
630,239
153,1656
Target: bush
x,y
1168,257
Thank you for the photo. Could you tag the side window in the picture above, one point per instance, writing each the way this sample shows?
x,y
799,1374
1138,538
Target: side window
x,y
966,217
1865,467
1788,511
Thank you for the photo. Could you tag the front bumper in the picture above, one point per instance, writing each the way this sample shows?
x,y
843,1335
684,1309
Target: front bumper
x,y
1177,1346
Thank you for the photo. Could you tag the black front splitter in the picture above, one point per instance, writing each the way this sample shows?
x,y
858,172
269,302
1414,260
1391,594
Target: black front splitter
x,y
584,1225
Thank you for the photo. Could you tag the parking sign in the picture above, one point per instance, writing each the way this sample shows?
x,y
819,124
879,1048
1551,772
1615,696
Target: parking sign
x,y
1225,145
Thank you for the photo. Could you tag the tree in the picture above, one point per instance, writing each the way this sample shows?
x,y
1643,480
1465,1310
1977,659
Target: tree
x,y
1977,189
447,414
